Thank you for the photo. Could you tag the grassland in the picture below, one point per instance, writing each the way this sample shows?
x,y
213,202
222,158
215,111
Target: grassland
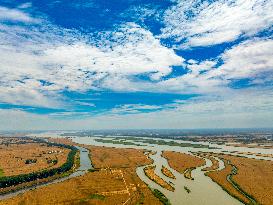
x,y
116,142
29,150
167,172
249,180
174,143
150,173
255,177
161,197
114,182
220,177
23,158
215,163
183,163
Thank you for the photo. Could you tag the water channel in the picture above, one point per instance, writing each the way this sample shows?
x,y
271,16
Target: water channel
x,y
203,191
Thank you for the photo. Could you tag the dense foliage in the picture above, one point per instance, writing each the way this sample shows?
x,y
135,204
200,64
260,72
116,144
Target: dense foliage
x,y
161,197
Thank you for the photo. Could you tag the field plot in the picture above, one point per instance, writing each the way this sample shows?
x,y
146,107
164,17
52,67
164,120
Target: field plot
x,y
113,181
23,157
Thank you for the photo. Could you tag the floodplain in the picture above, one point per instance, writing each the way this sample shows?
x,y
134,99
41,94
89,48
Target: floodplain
x,y
138,170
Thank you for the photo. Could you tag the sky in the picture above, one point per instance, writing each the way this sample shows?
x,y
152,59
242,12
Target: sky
x,y
133,64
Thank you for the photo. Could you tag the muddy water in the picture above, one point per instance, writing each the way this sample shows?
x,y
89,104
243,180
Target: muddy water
x,y
203,190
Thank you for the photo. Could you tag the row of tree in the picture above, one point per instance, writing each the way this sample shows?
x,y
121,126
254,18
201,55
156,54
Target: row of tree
x,y
8,181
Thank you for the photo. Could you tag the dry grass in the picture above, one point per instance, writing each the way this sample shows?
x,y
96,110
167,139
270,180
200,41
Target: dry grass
x,y
220,177
255,177
183,163
215,163
115,182
150,173
167,172
187,173
13,156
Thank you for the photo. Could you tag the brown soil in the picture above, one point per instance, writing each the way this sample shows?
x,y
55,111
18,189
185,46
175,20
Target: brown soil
x,y
167,172
150,173
183,163
114,182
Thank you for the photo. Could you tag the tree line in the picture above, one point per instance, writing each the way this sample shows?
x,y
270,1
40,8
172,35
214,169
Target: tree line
x,y
8,181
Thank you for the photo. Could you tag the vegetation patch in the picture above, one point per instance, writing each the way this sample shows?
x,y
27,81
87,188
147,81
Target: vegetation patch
x,y
1,172
174,143
93,170
167,172
181,161
150,173
187,189
161,197
97,196
8,181
187,173
141,199
117,142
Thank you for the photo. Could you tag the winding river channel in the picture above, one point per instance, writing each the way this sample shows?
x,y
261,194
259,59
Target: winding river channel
x,y
203,191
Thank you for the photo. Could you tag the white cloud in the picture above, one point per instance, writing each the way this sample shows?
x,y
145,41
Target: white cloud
x,y
251,59
138,53
203,23
36,65
201,66
7,14
248,108
133,108
247,60
25,5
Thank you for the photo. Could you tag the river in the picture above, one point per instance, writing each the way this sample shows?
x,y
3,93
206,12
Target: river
x,y
203,191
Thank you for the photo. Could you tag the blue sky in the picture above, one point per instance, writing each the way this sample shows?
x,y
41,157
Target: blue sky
x,y
74,64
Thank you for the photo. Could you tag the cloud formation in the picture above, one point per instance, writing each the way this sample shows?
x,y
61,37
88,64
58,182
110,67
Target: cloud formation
x,y
204,23
7,14
42,63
